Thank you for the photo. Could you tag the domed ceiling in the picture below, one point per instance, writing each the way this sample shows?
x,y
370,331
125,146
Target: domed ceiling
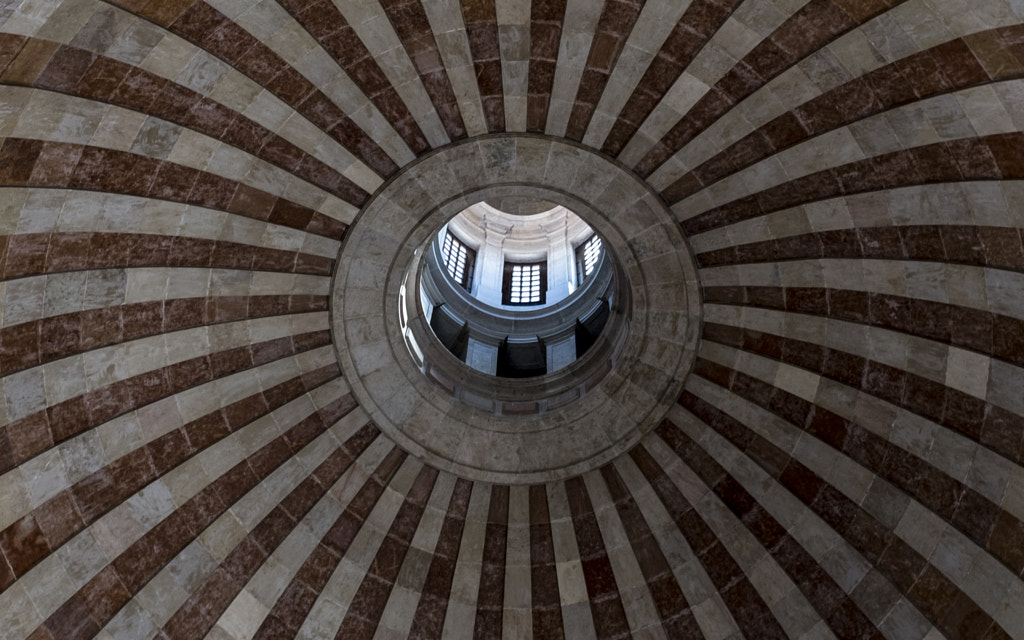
x,y
183,456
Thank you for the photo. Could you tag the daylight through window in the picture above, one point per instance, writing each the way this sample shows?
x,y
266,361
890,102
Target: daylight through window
x,y
524,283
458,260
587,255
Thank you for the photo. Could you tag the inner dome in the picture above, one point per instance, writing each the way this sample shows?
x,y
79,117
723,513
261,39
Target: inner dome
x,y
516,295
504,429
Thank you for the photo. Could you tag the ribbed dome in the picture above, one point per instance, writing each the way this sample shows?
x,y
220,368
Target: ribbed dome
x,y
182,457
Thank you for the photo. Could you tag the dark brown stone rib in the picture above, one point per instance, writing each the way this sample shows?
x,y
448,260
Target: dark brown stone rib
x,y
908,570
987,424
953,65
211,30
80,73
613,28
291,609
748,608
676,617
971,513
428,621
37,342
809,29
490,600
205,605
545,602
995,247
995,157
328,26
34,254
118,582
695,28
830,601
546,17
481,20
22,59
78,506
602,590
410,23
10,47
37,432
988,333
35,163
368,604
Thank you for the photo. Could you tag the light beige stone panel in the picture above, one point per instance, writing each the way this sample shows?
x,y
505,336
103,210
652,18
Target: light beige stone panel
x,y
792,609
145,510
75,375
632,587
374,29
29,17
890,277
461,614
516,617
653,26
686,92
710,611
344,93
280,568
332,604
946,450
513,18
860,50
957,203
578,29
269,22
572,586
919,527
49,116
242,94
445,18
171,57
737,36
956,557
397,617
793,612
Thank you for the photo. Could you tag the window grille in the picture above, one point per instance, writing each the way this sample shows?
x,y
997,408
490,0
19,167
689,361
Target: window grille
x,y
458,261
587,256
524,284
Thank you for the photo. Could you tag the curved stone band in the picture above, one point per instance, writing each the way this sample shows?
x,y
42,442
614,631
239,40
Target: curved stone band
x,y
656,348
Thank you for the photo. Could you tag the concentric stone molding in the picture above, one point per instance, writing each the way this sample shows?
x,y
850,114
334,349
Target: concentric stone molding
x,y
650,361
181,456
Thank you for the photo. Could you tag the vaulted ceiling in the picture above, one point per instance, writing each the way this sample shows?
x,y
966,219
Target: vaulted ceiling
x,y
181,456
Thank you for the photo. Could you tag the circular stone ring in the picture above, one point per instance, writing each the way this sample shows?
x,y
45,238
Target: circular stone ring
x,y
495,429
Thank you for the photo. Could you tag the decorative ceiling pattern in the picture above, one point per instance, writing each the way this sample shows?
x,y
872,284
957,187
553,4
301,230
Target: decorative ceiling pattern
x,y
181,457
